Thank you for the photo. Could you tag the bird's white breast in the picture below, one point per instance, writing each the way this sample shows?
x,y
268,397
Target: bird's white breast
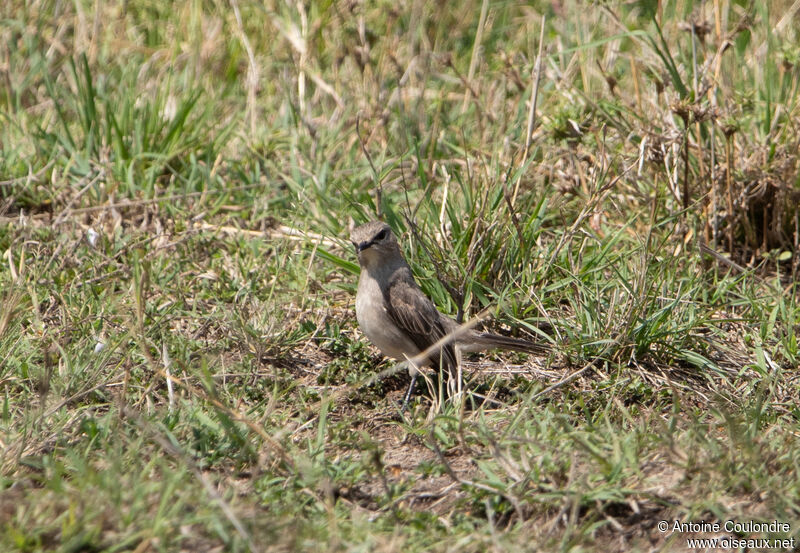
x,y
376,324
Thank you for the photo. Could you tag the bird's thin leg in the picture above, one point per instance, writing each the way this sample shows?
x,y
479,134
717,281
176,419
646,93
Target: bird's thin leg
x,y
409,392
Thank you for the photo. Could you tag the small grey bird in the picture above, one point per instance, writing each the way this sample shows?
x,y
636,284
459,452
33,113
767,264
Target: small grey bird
x,y
399,318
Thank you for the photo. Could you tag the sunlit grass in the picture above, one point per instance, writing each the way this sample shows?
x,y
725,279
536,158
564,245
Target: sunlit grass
x,y
180,366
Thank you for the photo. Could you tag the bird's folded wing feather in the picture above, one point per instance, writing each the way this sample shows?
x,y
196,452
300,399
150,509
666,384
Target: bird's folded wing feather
x,y
416,315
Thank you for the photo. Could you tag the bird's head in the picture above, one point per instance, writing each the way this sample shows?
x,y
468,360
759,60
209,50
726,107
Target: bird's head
x,y
375,244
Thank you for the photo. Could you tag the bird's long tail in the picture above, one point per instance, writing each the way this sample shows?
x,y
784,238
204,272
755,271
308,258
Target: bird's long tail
x,y
480,341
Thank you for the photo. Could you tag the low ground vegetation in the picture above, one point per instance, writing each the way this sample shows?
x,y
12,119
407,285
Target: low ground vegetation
x,y
180,365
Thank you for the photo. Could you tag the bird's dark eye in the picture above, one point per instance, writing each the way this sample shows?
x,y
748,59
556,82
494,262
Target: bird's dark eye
x,y
381,235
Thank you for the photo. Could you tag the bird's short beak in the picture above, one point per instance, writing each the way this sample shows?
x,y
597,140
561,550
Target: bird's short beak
x,y
362,246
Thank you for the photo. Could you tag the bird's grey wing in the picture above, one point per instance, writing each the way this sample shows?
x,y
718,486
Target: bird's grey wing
x,y
416,315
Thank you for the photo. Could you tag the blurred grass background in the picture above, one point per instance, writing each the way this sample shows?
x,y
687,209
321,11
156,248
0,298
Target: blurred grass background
x,y
179,360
